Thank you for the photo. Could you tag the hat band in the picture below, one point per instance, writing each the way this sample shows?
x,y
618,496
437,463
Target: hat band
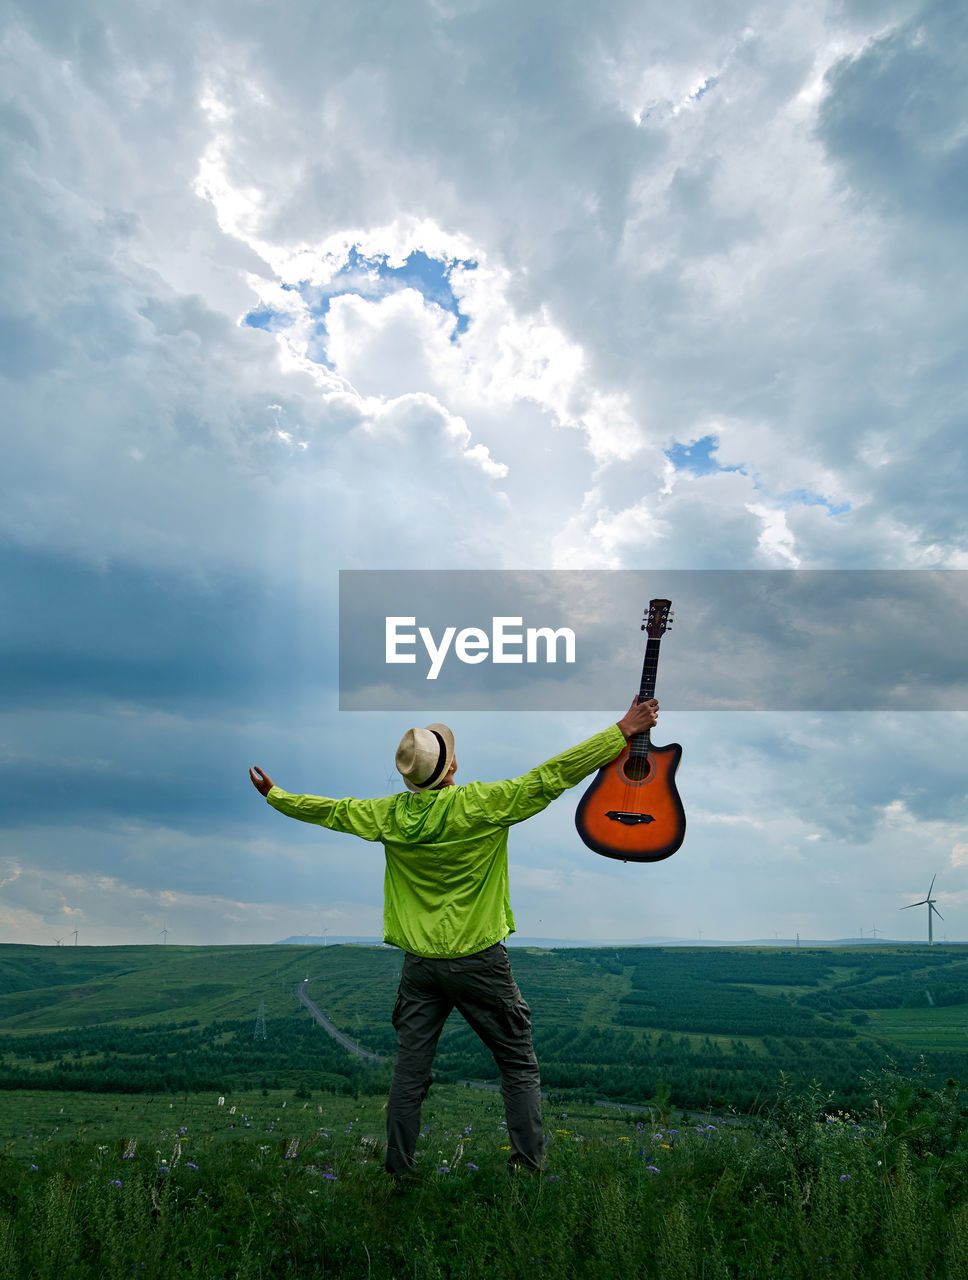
x,y
438,768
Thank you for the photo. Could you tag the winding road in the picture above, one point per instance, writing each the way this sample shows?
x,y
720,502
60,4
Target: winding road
x,y
330,1028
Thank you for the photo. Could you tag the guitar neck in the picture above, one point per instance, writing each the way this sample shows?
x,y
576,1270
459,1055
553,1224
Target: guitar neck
x,y
640,743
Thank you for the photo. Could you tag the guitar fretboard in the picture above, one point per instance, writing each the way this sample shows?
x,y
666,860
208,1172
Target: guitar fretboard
x,y
640,743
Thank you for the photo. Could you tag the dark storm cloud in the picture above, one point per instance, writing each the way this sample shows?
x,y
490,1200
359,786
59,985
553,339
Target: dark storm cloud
x,y
893,116
72,635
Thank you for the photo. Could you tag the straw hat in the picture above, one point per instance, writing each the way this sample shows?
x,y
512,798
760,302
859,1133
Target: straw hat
x,y
425,755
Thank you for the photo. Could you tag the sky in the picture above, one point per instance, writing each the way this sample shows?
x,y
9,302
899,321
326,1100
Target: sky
x,y
467,285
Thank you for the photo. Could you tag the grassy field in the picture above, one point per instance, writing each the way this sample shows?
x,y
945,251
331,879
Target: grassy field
x,y
274,1169
50,988
106,1187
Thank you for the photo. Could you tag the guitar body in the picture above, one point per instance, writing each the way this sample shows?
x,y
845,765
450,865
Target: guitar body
x,y
638,819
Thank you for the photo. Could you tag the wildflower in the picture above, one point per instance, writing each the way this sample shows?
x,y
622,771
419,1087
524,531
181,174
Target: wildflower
x,y
34,1167
624,1139
128,1153
116,1183
189,1165
292,1149
221,1102
330,1177
508,1149
652,1168
471,1166
845,1177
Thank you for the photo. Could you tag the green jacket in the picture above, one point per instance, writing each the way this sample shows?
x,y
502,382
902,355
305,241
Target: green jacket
x,y
446,891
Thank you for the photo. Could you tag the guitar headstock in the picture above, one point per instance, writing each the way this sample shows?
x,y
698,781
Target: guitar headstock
x,y
658,618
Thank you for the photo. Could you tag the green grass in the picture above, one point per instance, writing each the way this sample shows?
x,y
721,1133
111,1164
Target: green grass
x,y
275,1183
924,1029
143,986
106,1188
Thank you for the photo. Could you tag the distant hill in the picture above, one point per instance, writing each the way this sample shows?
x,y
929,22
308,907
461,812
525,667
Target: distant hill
x,y
717,1024
517,940
347,939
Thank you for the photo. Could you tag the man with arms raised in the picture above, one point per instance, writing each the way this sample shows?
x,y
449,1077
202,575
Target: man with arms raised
x,y
447,905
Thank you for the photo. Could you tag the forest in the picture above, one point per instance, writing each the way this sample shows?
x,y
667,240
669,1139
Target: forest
x,y
699,1027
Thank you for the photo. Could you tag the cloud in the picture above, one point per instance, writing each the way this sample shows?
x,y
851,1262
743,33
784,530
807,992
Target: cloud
x,y
434,286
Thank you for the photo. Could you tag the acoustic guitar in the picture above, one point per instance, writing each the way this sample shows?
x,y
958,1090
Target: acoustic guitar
x,y
632,809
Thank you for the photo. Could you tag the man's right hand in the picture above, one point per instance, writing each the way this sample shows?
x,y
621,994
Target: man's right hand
x,y
639,717
263,783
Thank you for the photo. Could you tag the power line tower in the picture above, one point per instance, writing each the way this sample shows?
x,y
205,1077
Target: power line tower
x,y
260,1023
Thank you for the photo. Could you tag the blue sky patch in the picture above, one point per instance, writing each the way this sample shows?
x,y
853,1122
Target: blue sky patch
x,y
808,499
698,456
374,278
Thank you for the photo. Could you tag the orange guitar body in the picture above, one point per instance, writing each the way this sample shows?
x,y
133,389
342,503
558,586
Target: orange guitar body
x,y
635,819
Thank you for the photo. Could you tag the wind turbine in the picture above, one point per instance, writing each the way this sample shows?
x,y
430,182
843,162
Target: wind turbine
x,y
75,937
58,941
164,931
929,903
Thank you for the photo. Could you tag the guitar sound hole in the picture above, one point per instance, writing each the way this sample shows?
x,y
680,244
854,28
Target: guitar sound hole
x,y
636,769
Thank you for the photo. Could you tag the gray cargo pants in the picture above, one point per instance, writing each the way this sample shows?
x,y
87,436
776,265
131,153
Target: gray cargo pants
x,y
483,989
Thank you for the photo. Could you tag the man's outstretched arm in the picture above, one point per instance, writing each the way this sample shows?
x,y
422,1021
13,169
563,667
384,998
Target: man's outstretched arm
x,y
361,818
503,803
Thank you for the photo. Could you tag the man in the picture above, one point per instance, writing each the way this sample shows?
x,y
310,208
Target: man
x,y
447,906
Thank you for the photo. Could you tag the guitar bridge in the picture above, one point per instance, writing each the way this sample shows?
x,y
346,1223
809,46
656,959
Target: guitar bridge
x,y
629,819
